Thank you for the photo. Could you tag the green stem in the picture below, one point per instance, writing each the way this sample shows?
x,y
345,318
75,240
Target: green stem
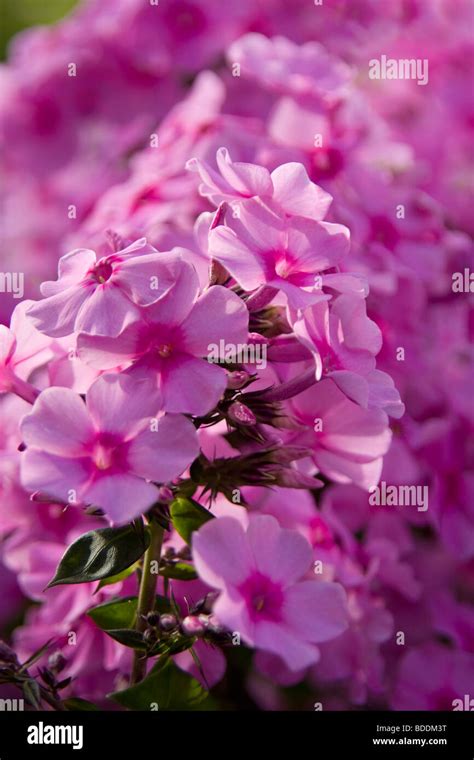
x,y
146,596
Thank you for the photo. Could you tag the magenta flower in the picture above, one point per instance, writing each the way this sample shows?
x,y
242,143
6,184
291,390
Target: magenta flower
x,y
258,573
103,296
258,246
173,343
434,677
108,452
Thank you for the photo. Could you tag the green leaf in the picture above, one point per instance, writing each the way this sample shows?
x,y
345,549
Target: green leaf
x,y
119,577
181,571
167,687
121,613
83,705
187,516
168,647
118,613
187,488
129,637
100,554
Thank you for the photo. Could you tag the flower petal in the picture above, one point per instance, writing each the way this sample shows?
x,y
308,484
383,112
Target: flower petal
x,y
58,423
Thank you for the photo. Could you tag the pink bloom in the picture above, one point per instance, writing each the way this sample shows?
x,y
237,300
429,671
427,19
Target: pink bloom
x,y
22,348
174,340
342,339
288,186
258,247
300,70
212,663
344,343
432,677
107,451
102,297
348,441
258,573
233,180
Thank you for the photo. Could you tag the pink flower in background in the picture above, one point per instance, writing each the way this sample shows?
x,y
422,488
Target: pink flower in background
x,y
22,348
340,336
173,342
432,677
263,597
107,451
344,343
348,441
102,296
302,70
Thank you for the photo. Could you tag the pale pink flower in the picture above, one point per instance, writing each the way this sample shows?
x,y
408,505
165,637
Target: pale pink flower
x,y
279,64
288,187
258,573
103,296
348,441
107,452
22,349
259,247
172,344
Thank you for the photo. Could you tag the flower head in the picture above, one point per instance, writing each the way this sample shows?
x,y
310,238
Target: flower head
x,y
109,451
102,296
259,573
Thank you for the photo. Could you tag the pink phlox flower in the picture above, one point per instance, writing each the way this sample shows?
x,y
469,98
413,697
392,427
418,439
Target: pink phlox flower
x,y
103,296
259,247
22,348
281,65
174,341
107,452
348,441
288,187
259,573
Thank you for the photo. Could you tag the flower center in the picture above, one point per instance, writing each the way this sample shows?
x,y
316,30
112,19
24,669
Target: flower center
x,y
105,453
320,534
164,350
283,268
263,597
102,457
102,271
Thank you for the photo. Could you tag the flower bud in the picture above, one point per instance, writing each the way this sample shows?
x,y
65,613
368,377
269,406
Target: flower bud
x,y
193,626
56,662
184,553
214,626
165,495
241,414
153,618
209,601
218,275
149,636
168,622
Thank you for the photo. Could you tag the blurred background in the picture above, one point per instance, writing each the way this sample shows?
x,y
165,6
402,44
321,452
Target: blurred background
x,y
16,15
